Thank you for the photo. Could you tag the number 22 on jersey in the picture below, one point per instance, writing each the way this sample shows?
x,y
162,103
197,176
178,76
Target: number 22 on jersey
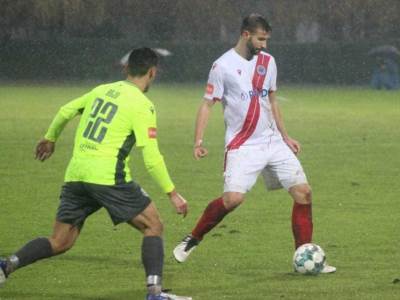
x,y
102,113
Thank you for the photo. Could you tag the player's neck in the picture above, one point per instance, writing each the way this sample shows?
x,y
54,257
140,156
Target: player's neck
x,y
139,82
242,50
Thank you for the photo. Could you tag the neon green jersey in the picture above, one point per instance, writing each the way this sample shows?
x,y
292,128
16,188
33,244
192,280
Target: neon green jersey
x,y
115,117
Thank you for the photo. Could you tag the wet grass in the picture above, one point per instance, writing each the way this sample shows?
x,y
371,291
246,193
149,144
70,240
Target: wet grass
x,y
351,146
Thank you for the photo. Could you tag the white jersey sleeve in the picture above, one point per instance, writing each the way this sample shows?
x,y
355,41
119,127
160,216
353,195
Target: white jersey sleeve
x,y
215,83
272,78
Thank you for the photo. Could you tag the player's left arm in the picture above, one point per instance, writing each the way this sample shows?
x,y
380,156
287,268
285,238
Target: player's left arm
x,y
46,146
156,167
292,143
145,130
276,111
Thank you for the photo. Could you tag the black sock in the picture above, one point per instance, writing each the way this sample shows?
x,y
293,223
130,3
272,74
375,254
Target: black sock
x,y
153,255
34,250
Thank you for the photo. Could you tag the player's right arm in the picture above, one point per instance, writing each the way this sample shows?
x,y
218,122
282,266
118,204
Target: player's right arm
x,y
214,93
46,146
199,151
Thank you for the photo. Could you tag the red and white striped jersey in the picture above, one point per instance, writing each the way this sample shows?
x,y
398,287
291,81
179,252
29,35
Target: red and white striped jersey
x,y
243,88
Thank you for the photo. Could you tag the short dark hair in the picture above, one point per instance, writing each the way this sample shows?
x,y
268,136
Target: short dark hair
x,y
141,60
254,21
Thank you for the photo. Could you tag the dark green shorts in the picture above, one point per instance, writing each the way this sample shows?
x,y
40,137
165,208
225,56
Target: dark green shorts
x,y
78,200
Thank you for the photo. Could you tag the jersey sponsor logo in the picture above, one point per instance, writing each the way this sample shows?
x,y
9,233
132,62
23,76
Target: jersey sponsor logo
x,y
87,146
262,93
152,132
261,70
209,89
248,95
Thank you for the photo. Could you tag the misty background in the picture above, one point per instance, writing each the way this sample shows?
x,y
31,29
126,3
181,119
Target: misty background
x,y
313,41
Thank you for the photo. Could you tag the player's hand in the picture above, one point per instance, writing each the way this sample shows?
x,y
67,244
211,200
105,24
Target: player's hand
x,y
293,145
179,203
199,152
44,149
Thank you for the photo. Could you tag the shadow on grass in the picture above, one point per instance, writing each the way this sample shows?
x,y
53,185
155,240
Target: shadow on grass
x,y
120,295
95,259
293,276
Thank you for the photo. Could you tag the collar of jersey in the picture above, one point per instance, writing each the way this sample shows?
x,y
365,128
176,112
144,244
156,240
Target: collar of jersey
x,y
237,54
130,83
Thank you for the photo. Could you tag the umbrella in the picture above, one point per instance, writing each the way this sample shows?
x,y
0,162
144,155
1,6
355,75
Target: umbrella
x,y
160,51
385,50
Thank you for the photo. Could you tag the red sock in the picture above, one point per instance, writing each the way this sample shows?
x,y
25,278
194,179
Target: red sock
x,y
212,215
302,225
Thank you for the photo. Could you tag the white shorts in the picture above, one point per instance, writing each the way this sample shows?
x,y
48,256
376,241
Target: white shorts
x,y
277,163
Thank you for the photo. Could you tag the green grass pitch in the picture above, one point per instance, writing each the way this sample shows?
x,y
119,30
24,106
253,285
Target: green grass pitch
x,y
351,146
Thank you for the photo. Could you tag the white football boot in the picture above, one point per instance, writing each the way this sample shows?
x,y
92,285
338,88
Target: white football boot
x,y
328,269
174,297
184,248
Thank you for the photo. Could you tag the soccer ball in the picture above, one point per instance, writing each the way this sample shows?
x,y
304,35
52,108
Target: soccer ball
x,y
309,259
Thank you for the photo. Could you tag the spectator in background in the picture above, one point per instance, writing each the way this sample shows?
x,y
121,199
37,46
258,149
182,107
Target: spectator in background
x,y
385,74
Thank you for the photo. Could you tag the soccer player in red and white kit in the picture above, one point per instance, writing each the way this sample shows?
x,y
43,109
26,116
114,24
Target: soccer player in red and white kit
x,y
256,141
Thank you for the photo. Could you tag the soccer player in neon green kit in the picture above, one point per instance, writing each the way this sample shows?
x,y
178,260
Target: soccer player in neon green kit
x,y
114,118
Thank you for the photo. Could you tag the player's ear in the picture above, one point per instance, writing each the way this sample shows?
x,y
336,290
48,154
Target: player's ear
x,y
152,72
125,69
246,34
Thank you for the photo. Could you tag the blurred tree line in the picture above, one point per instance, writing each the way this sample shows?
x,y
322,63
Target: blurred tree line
x,y
175,21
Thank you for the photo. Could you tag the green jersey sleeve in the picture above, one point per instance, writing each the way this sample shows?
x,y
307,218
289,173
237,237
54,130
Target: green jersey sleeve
x,y
145,130
65,114
156,167
144,126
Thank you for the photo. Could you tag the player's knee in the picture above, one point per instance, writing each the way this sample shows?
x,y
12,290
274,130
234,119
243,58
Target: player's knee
x,y
308,195
156,228
302,194
60,245
233,200
159,228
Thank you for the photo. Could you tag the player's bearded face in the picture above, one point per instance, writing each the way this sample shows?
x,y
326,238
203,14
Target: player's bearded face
x,y
251,48
257,41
